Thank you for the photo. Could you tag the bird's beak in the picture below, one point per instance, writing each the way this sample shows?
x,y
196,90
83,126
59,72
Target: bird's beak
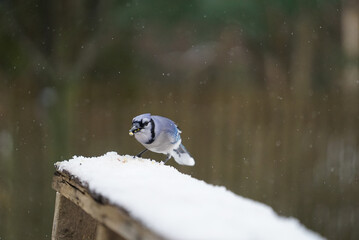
x,y
133,130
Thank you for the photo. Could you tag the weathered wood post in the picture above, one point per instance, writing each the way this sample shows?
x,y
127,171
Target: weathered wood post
x,y
81,214
71,222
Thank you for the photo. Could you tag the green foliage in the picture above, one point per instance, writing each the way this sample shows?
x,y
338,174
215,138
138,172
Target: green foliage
x,y
74,39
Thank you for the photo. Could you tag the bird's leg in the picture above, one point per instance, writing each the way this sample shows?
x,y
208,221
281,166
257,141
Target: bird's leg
x,y
140,154
168,158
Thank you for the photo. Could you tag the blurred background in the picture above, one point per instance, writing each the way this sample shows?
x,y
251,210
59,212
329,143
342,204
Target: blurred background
x,y
265,92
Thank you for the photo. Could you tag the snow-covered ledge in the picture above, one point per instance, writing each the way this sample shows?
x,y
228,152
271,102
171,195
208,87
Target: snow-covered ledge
x,y
161,203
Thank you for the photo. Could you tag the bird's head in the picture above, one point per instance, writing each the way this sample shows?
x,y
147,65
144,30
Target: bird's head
x,y
141,124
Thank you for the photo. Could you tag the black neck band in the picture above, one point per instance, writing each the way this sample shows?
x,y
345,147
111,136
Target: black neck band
x,y
152,132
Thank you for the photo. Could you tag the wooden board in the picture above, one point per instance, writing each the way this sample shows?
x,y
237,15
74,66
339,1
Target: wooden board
x,y
106,215
71,222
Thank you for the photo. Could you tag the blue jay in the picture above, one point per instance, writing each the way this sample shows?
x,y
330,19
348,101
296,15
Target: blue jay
x,y
161,135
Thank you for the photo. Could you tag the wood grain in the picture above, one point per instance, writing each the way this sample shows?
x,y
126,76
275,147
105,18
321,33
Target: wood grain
x,y
107,215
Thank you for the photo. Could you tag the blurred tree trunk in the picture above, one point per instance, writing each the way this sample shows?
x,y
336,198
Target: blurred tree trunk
x,y
301,67
61,117
7,137
350,41
275,75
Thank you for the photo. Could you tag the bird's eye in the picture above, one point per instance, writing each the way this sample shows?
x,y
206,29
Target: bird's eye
x,y
145,123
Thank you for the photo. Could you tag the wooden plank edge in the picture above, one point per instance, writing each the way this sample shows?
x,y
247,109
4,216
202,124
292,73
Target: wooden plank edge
x,y
114,217
71,222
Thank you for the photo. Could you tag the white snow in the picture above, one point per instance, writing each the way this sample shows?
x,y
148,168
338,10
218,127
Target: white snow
x,y
177,206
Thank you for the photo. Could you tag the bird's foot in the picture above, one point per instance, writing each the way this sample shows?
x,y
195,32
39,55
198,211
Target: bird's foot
x,y
140,154
166,160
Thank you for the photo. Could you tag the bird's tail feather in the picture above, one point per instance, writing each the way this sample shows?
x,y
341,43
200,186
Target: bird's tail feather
x,y
182,156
